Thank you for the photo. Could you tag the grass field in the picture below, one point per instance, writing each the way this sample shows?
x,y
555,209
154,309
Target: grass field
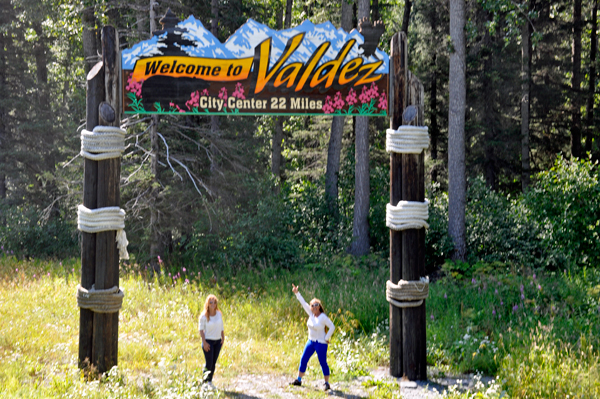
x,y
539,334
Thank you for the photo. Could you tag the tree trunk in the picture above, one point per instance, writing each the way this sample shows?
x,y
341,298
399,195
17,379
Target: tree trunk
x,y
488,116
214,119
525,92
434,130
360,227
347,14
288,13
152,15
155,247
277,143
2,112
576,82
41,60
335,139
406,16
456,131
333,164
154,222
592,84
375,11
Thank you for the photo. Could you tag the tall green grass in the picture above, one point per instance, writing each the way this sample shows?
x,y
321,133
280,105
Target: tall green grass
x,y
537,334
159,346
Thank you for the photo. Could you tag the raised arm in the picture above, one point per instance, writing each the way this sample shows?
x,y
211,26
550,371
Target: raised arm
x,y
301,300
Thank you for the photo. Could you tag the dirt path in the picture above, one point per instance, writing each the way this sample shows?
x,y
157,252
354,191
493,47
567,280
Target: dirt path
x,y
272,386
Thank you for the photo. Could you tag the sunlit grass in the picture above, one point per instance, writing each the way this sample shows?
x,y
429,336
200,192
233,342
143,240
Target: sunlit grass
x,y
159,344
548,343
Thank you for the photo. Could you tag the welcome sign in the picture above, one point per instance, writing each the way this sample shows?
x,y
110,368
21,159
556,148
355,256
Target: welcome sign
x,y
310,69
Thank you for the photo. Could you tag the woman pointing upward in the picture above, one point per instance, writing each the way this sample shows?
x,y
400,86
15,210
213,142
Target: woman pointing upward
x,y
318,339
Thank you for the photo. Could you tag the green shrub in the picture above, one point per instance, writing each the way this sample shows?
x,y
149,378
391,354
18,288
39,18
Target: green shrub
x,y
24,233
564,206
260,234
438,244
498,229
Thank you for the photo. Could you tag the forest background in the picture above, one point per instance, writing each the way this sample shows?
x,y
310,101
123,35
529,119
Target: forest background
x,y
259,189
240,194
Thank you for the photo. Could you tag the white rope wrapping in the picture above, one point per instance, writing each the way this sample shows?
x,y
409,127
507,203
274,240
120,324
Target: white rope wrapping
x,y
100,301
407,294
104,142
407,139
104,219
407,215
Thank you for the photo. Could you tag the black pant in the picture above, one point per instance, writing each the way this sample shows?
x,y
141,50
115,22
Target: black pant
x,y
211,357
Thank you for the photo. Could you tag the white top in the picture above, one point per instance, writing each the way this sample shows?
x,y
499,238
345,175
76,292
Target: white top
x,y
316,325
212,328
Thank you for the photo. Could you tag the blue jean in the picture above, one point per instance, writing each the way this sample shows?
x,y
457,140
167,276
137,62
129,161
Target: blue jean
x,y
309,350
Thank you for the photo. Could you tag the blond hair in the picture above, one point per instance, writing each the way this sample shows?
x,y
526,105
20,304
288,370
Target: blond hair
x,y
315,300
206,312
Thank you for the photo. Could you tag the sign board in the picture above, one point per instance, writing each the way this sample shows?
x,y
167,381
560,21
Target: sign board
x,y
310,70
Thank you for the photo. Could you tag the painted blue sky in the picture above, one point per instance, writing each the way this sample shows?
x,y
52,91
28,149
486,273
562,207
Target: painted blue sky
x,y
242,43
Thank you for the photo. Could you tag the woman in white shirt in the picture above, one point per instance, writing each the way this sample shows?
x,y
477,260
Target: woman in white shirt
x,y
213,335
318,340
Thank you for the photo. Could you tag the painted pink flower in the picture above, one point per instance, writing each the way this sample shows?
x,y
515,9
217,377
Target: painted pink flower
x,y
223,94
135,86
239,92
383,101
338,103
194,100
205,92
351,97
365,95
328,107
374,90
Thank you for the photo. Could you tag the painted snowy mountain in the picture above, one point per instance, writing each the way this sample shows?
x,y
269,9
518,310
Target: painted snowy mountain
x,y
252,33
147,48
242,43
207,45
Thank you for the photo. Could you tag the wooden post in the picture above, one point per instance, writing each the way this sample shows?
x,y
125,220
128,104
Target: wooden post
x,y
408,354
94,96
398,85
413,250
106,325
98,332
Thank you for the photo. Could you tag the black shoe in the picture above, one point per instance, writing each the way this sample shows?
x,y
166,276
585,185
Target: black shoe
x,y
296,383
326,387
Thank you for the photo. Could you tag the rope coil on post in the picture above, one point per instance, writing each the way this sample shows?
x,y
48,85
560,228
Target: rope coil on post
x,y
407,294
104,219
100,301
407,139
105,142
407,215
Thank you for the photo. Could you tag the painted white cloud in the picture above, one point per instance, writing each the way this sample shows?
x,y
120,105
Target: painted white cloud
x,y
242,43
